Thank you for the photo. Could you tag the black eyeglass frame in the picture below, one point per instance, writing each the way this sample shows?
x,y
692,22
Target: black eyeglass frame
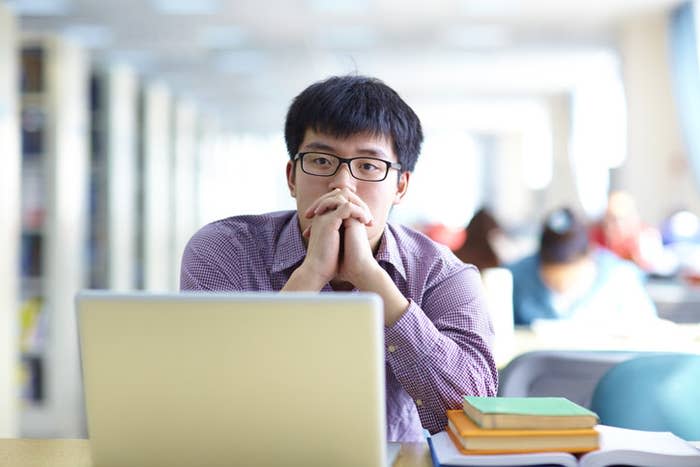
x,y
389,165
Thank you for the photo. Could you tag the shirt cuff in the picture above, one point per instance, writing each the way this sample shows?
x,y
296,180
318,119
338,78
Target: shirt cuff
x,y
410,339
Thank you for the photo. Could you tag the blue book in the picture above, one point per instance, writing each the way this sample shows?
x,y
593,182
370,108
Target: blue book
x,y
429,439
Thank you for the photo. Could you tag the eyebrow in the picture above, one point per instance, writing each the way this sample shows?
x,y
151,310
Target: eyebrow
x,y
318,146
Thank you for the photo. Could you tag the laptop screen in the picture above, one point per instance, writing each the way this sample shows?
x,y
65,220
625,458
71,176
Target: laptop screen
x,y
233,378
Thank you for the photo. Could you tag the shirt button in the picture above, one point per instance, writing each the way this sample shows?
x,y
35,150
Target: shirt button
x,y
419,402
391,348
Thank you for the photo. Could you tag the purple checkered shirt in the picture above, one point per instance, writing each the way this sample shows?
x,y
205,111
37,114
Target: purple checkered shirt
x,y
438,351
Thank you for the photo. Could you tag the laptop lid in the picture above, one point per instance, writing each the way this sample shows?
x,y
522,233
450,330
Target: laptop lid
x,y
255,379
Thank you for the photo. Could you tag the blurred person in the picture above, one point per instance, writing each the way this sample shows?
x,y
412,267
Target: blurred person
x,y
352,144
478,246
568,278
622,231
680,232
450,237
485,243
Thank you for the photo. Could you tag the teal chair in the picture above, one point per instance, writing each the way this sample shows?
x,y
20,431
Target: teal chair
x,y
565,373
653,393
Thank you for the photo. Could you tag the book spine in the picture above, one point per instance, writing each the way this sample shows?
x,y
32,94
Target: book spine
x,y
433,454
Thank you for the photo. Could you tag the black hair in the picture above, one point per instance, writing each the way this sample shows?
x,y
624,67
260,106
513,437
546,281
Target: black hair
x,y
564,238
343,106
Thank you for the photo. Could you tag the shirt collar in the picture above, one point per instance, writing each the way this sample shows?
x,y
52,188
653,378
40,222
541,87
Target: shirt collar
x,y
290,249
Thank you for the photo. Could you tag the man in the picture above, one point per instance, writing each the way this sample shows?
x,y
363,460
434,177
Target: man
x,y
352,144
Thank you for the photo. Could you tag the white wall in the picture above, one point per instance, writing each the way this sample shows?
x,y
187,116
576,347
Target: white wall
x,y
656,172
562,190
696,10
9,223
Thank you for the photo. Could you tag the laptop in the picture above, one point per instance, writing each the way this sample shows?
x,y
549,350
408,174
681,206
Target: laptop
x,y
234,379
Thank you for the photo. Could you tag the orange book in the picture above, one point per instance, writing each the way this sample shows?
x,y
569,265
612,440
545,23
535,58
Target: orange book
x,y
470,439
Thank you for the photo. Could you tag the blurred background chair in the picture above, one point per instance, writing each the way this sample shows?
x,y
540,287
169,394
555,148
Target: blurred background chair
x,y
652,392
565,373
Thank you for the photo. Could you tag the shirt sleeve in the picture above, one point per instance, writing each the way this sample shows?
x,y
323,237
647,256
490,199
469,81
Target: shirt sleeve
x,y
441,350
206,266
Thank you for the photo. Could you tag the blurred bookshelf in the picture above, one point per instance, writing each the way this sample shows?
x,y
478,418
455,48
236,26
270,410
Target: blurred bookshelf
x,y
53,83
139,266
98,241
33,215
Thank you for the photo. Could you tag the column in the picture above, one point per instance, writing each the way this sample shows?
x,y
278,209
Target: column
x,y
157,202
184,189
9,223
67,170
122,151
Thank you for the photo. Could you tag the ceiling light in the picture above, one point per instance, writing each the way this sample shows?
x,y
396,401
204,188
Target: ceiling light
x,y
485,9
142,60
351,37
186,7
221,37
339,6
39,7
90,35
244,61
477,36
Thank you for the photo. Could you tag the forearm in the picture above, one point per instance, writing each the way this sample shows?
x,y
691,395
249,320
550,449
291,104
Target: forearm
x,y
377,280
437,367
303,280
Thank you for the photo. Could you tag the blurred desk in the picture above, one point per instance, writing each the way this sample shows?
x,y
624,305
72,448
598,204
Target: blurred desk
x,y
675,299
76,453
653,336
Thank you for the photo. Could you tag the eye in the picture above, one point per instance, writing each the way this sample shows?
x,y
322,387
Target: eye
x,y
369,166
319,160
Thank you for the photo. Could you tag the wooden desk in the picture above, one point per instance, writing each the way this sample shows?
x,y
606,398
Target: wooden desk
x,y
76,453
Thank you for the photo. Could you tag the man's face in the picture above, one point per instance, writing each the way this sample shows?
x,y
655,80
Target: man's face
x,y
379,196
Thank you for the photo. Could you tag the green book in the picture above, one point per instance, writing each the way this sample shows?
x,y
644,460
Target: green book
x,y
528,413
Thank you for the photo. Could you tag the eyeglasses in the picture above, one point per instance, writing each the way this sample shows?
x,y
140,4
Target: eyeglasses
x,y
368,169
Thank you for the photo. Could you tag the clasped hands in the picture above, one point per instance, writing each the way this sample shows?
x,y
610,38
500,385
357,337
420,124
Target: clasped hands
x,y
339,249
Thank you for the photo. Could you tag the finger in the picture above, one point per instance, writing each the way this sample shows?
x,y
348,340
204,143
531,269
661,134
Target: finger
x,y
340,194
309,213
354,198
330,204
343,196
336,198
349,210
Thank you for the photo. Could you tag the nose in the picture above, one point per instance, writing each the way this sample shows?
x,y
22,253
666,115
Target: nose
x,y
343,178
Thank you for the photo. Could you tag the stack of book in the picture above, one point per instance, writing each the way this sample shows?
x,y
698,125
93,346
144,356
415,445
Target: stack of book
x,y
618,446
500,425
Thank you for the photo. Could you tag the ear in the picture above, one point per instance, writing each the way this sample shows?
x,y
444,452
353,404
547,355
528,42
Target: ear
x,y
291,179
402,187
